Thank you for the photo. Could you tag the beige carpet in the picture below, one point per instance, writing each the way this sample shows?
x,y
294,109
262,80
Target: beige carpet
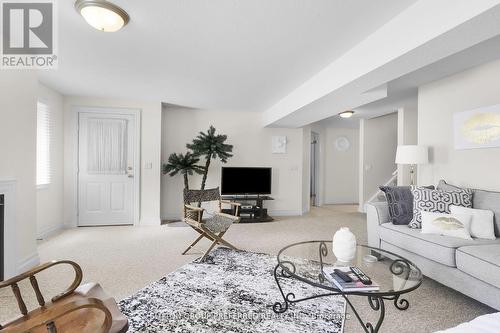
x,y
125,259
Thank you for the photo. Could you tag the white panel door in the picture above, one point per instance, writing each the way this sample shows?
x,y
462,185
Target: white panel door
x,y
106,169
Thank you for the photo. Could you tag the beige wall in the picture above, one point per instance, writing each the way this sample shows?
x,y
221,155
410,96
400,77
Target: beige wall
x,y
378,137
341,174
437,102
18,100
150,153
50,207
252,147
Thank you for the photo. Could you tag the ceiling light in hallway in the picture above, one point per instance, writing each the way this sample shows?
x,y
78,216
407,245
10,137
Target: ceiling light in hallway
x,y
346,114
102,15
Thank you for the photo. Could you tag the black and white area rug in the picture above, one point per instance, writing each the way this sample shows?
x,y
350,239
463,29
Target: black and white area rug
x,y
233,292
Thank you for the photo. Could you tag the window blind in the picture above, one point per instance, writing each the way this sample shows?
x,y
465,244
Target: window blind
x,y
43,138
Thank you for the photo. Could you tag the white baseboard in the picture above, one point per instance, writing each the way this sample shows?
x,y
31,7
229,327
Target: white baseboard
x,y
149,223
28,263
50,231
171,216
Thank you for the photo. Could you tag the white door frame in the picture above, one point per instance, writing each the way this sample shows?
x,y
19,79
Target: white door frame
x,y
136,113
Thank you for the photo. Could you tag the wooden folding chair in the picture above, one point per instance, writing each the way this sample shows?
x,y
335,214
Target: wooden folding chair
x,y
213,227
83,308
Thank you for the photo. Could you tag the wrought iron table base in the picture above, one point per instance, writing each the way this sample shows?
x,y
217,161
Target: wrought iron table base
x,y
376,302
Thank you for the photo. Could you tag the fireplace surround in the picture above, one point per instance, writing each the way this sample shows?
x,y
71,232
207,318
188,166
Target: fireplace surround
x,y
2,239
9,259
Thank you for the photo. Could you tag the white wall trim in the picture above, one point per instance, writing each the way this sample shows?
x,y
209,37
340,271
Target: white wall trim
x,y
48,232
28,263
8,189
76,110
172,216
149,223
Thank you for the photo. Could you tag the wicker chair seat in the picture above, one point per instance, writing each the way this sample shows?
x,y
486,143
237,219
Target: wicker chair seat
x,y
218,223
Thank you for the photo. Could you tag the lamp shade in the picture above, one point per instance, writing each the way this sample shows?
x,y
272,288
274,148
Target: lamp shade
x,y
412,154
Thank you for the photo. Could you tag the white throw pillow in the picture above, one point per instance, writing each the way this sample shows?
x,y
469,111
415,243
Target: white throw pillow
x,y
453,225
482,224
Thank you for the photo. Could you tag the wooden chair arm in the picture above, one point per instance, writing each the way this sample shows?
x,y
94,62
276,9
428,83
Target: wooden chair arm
x,y
76,282
189,207
229,216
57,311
191,222
231,203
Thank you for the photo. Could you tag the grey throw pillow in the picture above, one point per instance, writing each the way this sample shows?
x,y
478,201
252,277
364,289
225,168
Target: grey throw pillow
x,y
400,203
481,199
444,186
436,201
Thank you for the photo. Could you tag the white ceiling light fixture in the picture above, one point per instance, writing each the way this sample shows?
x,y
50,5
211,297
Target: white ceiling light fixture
x,y
346,114
102,15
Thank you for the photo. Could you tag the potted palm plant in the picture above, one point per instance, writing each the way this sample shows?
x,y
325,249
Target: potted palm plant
x,y
210,146
185,164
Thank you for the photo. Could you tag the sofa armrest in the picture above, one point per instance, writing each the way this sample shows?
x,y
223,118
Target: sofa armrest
x,y
377,213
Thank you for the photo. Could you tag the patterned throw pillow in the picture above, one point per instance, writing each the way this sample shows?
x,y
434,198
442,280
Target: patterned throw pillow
x,y
400,203
436,201
452,225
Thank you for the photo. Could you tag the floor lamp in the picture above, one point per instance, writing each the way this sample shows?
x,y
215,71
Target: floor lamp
x,y
412,155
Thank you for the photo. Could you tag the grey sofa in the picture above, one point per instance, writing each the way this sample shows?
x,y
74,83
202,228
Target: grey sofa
x,y
471,267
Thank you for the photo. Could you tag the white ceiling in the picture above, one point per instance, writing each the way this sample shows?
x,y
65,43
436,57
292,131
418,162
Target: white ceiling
x,y
213,54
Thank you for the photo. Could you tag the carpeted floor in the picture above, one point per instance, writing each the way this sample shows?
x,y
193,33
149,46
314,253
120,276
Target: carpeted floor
x,y
125,259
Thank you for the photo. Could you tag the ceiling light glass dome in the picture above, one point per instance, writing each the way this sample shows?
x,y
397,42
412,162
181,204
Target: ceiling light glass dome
x,y
102,15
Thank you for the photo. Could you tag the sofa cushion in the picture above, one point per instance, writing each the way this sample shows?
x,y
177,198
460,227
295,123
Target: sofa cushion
x,y
481,262
400,203
453,225
481,199
482,223
436,201
435,247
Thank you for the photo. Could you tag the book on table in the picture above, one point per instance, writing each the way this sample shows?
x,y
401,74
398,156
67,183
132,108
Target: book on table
x,y
354,285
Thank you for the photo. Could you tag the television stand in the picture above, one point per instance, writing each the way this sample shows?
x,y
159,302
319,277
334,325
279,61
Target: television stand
x,y
252,208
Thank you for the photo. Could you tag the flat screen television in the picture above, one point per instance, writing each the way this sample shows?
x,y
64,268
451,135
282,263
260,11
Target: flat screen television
x,y
240,181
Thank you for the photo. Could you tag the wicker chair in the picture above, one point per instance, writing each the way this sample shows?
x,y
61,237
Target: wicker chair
x,y
212,227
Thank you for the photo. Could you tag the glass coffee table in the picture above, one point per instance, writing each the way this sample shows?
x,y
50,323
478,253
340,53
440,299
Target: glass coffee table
x,y
304,261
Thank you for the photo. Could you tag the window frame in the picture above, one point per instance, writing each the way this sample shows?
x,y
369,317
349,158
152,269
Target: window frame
x,y
43,181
